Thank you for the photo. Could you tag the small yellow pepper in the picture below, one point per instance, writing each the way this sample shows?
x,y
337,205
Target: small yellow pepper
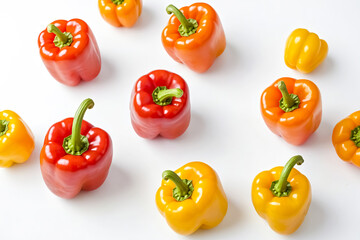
x,y
16,139
196,200
304,50
282,196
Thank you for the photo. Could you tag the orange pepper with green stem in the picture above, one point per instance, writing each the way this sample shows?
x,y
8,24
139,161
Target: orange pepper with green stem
x,y
346,139
194,36
282,196
292,109
192,197
16,139
120,13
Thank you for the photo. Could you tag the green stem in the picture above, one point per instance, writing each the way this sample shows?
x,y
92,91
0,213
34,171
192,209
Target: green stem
x,y
77,144
281,187
288,102
187,26
117,2
355,136
184,187
4,126
163,96
62,39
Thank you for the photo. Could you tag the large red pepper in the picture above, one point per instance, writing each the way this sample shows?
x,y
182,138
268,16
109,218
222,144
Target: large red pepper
x,y
76,155
70,52
160,105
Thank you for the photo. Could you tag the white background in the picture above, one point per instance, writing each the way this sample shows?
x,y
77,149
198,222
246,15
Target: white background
x,y
226,129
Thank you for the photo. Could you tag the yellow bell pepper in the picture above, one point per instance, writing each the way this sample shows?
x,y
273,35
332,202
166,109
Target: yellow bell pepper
x,y
304,50
282,196
196,200
16,139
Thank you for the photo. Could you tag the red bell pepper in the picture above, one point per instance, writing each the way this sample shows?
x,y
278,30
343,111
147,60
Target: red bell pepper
x,y
76,155
70,52
160,105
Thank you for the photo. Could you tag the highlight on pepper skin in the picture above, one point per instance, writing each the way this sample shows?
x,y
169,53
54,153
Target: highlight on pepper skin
x,y
346,139
304,50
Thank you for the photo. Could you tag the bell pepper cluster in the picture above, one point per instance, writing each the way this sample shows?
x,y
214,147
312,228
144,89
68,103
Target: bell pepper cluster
x,y
77,156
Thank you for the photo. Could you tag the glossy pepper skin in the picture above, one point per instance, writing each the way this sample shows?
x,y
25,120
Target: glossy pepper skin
x,y
16,139
192,197
200,38
301,119
304,50
120,13
76,155
70,52
283,203
168,117
346,139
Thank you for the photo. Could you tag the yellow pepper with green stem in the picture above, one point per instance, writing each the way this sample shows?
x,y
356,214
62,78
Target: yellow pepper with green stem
x,y
192,197
282,196
16,139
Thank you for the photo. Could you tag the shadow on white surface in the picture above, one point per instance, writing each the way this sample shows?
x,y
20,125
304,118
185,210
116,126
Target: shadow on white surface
x,y
231,220
326,68
226,61
145,20
313,221
115,185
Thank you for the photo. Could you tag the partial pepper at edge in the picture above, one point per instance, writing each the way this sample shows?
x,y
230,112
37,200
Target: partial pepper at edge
x,y
194,36
160,105
120,13
346,138
304,50
76,155
16,139
292,109
70,52
192,199
282,196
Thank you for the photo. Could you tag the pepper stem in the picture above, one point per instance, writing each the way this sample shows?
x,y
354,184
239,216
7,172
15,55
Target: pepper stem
x,y
288,102
77,144
281,187
355,136
184,187
117,2
4,126
163,96
187,26
62,39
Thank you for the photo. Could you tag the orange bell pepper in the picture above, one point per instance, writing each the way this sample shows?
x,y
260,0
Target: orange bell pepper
x,y
282,196
194,36
293,116
120,13
346,139
16,139
192,197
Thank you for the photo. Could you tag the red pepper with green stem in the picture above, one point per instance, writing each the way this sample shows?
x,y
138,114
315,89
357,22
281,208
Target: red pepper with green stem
x,y
160,105
70,52
76,155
